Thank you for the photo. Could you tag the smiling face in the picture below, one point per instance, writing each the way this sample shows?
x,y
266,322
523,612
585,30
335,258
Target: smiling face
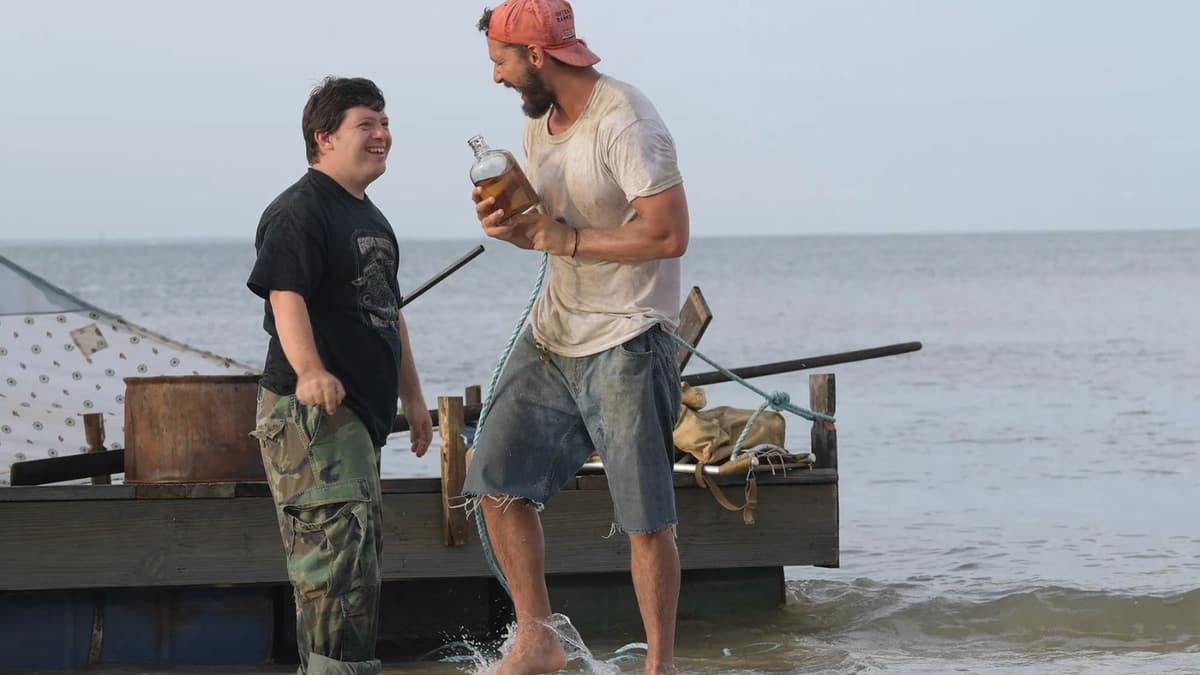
x,y
355,153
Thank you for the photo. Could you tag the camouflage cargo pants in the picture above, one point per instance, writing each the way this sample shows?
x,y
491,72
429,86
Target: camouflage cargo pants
x,y
323,471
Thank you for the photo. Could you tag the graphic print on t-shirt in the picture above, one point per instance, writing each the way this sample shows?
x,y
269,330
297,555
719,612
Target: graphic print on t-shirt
x,y
376,260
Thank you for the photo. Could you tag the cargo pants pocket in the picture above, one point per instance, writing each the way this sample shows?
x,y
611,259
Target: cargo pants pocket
x,y
331,550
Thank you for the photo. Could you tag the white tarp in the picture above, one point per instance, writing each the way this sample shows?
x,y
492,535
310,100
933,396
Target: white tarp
x,y
61,358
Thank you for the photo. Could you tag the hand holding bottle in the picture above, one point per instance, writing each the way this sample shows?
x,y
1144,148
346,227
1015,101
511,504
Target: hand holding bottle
x,y
494,223
501,192
497,174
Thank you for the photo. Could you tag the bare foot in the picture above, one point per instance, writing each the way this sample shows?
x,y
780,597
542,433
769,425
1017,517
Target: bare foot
x,y
536,650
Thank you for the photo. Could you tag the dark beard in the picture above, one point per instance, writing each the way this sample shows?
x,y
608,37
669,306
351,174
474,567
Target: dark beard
x,y
538,98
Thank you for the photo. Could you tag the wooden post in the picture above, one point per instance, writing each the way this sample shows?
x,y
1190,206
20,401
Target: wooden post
x,y
822,399
93,430
473,396
694,318
472,404
454,469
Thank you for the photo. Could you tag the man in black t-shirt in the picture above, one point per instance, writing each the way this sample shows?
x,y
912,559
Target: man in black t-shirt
x,y
338,357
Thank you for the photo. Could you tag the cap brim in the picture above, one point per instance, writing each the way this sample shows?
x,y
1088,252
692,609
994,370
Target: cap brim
x,y
575,54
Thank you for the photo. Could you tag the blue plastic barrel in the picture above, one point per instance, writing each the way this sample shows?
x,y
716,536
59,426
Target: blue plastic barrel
x,y
201,626
195,626
47,630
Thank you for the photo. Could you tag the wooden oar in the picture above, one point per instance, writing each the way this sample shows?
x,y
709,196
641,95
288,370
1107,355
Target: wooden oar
x,y
437,279
68,467
716,376
471,413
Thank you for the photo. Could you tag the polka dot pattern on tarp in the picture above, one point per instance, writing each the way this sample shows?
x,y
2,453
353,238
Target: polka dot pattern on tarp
x,y
57,366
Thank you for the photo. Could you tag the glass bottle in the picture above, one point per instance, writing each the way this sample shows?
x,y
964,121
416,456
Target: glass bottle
x,y
497,173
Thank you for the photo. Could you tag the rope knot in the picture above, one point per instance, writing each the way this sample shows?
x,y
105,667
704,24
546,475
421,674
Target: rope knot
x,y
779,399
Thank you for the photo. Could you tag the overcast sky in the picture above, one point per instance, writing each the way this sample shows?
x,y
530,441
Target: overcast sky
x,y
132,119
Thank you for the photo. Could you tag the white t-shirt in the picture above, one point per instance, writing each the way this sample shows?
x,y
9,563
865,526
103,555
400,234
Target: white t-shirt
x,y
618,150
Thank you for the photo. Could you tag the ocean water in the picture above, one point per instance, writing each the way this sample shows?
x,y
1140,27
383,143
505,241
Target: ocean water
x,y
1022,495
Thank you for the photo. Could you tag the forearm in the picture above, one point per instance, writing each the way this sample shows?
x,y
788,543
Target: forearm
x,y
294,328
639,239
410,382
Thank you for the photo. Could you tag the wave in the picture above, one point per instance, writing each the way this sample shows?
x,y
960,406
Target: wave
x,y
1035,619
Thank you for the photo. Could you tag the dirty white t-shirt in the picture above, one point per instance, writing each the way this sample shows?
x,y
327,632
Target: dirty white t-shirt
x,y
618,150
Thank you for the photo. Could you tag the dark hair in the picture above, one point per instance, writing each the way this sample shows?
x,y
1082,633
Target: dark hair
x,y
328,103
486,20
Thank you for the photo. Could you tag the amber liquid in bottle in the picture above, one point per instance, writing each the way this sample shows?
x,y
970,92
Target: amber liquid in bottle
x,y
498,175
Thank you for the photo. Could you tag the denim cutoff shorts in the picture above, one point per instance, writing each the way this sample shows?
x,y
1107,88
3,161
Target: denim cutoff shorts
x,y
549,413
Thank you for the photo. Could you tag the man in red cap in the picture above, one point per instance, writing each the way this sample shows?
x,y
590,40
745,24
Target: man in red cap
x,y
595,372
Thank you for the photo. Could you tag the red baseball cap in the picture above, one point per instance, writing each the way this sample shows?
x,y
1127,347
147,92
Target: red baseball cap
x,y
549,24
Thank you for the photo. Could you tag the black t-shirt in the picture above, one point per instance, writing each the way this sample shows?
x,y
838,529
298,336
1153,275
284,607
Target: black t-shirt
x,y
340,254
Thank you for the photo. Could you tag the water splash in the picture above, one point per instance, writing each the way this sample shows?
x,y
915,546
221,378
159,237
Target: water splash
x,y
462,651
568,636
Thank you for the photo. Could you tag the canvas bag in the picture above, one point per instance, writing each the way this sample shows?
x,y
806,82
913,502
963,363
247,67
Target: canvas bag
x,y
707,437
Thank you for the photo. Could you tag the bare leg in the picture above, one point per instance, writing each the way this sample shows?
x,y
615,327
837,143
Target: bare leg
x,y
515,532
655,563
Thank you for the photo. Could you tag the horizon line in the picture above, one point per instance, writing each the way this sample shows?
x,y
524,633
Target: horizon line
x,y
187,239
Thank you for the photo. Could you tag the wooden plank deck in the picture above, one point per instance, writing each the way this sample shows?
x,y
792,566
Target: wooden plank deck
x,y
169,535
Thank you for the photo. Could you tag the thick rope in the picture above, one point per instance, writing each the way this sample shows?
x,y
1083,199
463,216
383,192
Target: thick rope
x,y
512,341
778,400
480,525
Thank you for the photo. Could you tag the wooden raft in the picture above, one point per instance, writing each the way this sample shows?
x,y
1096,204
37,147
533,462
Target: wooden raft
x,y
145,536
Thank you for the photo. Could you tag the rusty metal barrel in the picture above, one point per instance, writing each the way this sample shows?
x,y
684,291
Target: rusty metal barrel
x,y
191,429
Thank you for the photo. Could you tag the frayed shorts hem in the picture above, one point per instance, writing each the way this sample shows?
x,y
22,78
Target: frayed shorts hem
x,y
618,528
472,501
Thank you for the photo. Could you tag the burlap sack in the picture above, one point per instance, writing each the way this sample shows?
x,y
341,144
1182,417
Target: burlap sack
x,y
709,435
